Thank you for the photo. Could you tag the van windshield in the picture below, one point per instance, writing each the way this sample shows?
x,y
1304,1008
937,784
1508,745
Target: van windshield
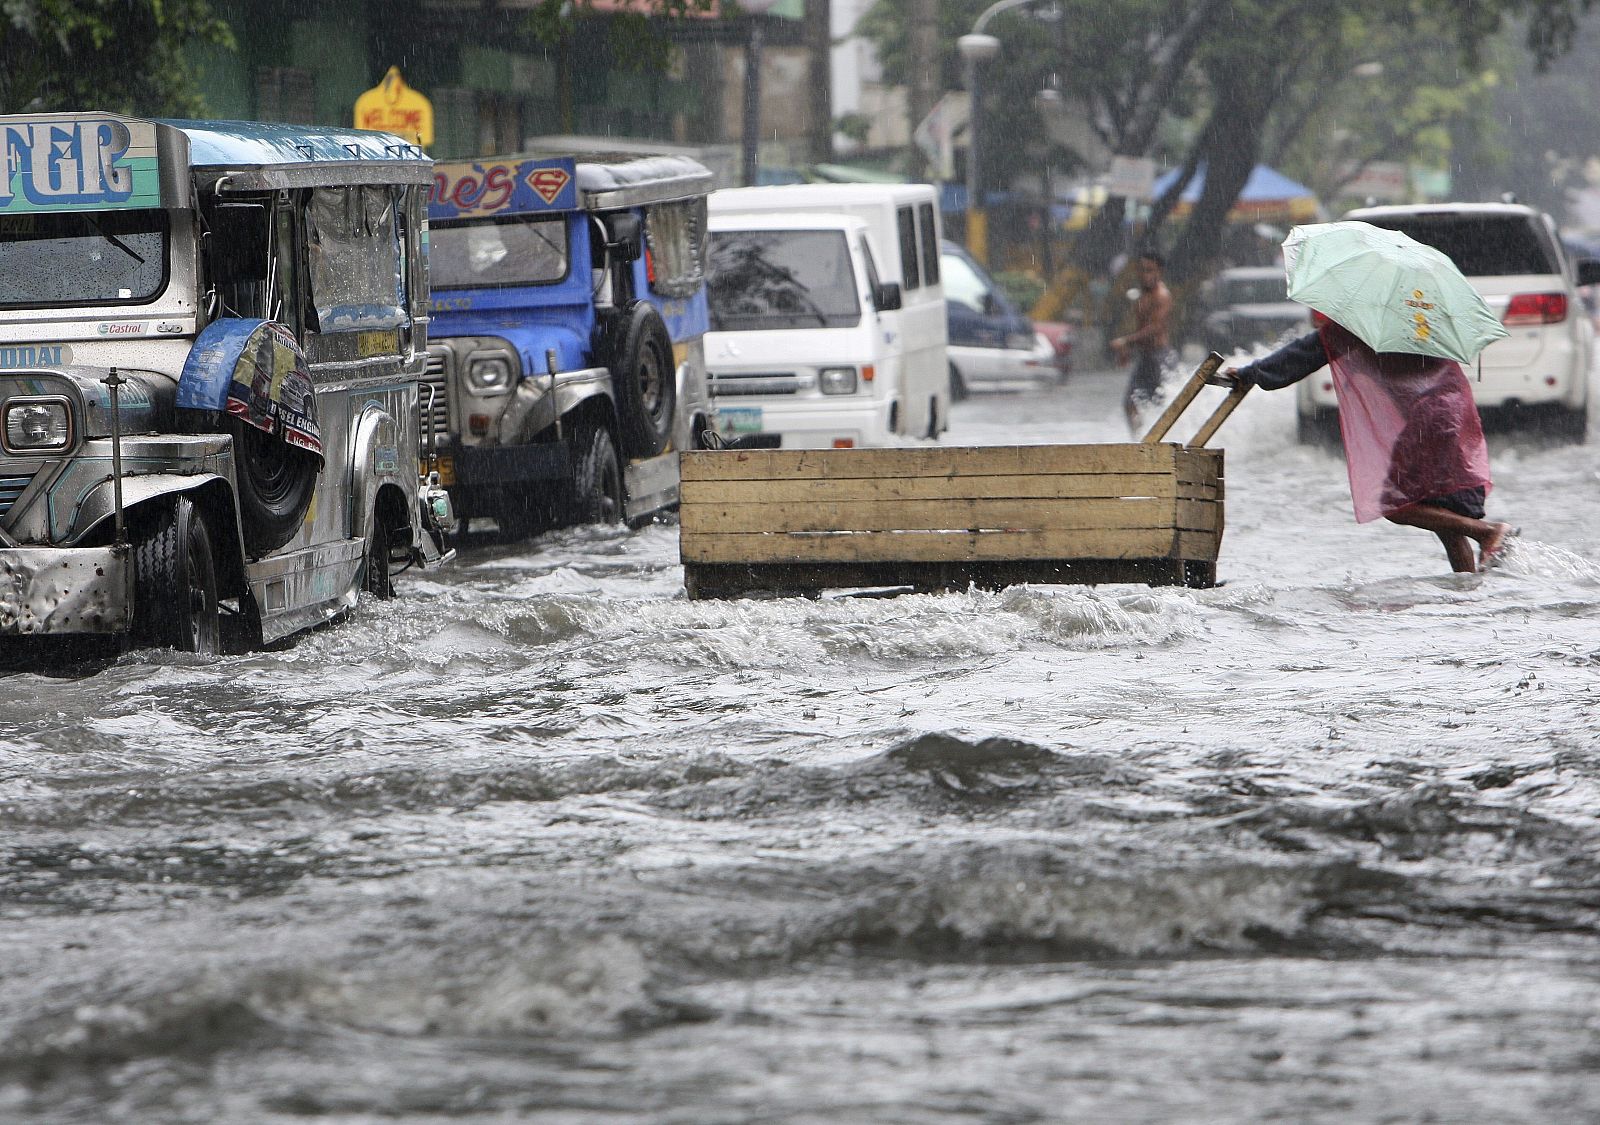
x,y
488,252
764,279
82,258
1479,245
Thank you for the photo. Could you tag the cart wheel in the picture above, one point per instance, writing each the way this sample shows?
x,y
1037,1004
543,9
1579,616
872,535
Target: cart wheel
x,y
639,355
175,580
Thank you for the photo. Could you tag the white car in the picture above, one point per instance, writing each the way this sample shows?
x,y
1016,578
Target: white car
x,y
1515,259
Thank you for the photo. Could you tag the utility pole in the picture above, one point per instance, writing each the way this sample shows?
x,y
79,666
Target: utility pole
x,y
819,79
924,74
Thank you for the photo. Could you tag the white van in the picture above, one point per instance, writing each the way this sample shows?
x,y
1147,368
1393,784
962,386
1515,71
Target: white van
x,y
827,315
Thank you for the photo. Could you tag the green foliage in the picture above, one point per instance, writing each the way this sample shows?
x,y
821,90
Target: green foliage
x,y
126,56
636,37
1024,287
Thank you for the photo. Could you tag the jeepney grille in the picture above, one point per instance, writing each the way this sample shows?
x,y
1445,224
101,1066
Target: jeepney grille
x,y
755,383
432,391
10,489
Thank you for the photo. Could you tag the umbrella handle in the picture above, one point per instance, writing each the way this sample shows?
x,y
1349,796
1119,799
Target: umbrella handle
x,y
1177,406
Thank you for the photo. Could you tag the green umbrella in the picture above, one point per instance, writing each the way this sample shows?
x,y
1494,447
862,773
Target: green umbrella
x,y
1394,293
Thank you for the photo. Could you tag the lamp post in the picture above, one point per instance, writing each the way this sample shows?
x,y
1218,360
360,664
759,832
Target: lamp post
x,y
976,48
751,129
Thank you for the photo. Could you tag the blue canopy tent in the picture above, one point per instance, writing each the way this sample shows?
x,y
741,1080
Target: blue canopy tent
x,y
1268,195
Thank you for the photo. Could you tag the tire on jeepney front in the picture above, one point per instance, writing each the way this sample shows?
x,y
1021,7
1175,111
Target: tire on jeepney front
x,y
276,483
174,578
597,491
637,349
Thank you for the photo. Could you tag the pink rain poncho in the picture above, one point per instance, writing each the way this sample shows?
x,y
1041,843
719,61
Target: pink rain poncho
x,y
1411,429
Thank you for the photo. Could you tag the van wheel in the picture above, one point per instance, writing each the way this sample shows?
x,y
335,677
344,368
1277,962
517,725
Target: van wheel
x,y
639,357
958,385
1320,428
597,479
175,580
276,482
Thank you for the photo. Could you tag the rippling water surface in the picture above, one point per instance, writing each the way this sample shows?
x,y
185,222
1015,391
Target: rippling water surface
x,y
544,841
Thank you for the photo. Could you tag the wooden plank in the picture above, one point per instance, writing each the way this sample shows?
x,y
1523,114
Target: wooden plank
x,y
714,580
952,461
1208,429
1199,515
938,546
1185,396
936,515
1032,487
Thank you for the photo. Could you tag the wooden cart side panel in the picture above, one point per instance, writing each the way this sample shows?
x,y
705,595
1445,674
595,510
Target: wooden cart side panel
x,y
1055,486
835,464
941,546
949,515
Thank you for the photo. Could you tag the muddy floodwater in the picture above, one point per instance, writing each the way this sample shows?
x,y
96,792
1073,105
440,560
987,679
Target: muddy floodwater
x,y
543,841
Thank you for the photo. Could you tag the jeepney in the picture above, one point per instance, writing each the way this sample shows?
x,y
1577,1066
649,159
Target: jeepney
x,y
566,357
210,341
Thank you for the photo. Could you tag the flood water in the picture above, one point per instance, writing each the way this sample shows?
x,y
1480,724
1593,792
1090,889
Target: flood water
x,y
543,841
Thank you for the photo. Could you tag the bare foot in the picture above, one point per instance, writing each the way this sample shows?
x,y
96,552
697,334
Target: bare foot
x,y
1494,546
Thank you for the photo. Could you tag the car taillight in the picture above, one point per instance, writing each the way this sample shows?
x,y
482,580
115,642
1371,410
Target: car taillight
x,y
1536,308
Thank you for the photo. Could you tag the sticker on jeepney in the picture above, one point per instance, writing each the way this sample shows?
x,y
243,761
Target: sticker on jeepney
x,y
66,163
13,356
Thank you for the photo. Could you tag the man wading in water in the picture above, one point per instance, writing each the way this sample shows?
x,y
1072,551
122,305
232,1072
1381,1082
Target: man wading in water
x,y
1149,339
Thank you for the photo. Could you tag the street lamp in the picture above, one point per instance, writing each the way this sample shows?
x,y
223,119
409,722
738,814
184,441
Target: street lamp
x,y
977,47
751,138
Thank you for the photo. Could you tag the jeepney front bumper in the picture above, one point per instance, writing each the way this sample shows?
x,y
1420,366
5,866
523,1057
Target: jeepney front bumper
x,y
56,591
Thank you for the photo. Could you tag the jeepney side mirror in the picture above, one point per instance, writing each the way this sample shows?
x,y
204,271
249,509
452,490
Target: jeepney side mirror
x,y
624,235
886,297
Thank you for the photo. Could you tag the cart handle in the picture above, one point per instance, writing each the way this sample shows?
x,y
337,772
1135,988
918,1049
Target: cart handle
x,y
1177,406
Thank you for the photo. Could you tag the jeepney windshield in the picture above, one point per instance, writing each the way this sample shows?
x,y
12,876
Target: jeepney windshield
x,y
513,250
82,258
769,279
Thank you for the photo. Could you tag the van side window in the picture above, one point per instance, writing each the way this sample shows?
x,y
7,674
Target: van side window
x,y
353,243
908,248
675,240
930,244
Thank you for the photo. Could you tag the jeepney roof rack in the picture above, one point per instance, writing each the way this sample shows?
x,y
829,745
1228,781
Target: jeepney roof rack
x,y
607,182
267,156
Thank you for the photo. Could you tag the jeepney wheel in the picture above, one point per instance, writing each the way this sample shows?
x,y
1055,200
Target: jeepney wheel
x,y
375,576
276,482
639,357
175,580
597,479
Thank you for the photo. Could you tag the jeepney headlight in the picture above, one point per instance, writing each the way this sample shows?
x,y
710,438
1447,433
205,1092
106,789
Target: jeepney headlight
x,y
489,374
837,380
37,425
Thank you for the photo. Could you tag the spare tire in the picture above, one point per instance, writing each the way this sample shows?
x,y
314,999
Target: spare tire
x,y
276,483
638,352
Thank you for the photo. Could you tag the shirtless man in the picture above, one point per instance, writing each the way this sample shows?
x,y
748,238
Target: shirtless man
x,y
1149,339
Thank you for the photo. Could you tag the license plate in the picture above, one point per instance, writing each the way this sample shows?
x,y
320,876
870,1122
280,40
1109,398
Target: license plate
x,y
732,421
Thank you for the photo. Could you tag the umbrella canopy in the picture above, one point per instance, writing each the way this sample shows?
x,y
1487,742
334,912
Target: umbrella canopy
x,y
1267,195
1394,293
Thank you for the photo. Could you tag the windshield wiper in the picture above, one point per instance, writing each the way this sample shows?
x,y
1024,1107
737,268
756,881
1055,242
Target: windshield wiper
x,y
117,242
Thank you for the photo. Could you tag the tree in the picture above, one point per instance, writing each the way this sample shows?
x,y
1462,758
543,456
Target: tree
x,y
125,56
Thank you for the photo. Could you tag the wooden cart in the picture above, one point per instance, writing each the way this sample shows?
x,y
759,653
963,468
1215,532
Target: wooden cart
x,y
801,521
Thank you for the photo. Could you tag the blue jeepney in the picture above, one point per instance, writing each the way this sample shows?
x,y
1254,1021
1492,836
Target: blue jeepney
x,y
565,365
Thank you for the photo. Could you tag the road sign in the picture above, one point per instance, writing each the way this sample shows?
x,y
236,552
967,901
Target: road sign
x,y
393,107
1132,176
935,133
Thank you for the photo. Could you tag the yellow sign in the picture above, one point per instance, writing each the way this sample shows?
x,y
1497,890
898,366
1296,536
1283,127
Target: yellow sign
x,y
393,107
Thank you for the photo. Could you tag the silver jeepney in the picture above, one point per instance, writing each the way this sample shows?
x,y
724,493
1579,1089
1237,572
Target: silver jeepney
x,y
210,340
